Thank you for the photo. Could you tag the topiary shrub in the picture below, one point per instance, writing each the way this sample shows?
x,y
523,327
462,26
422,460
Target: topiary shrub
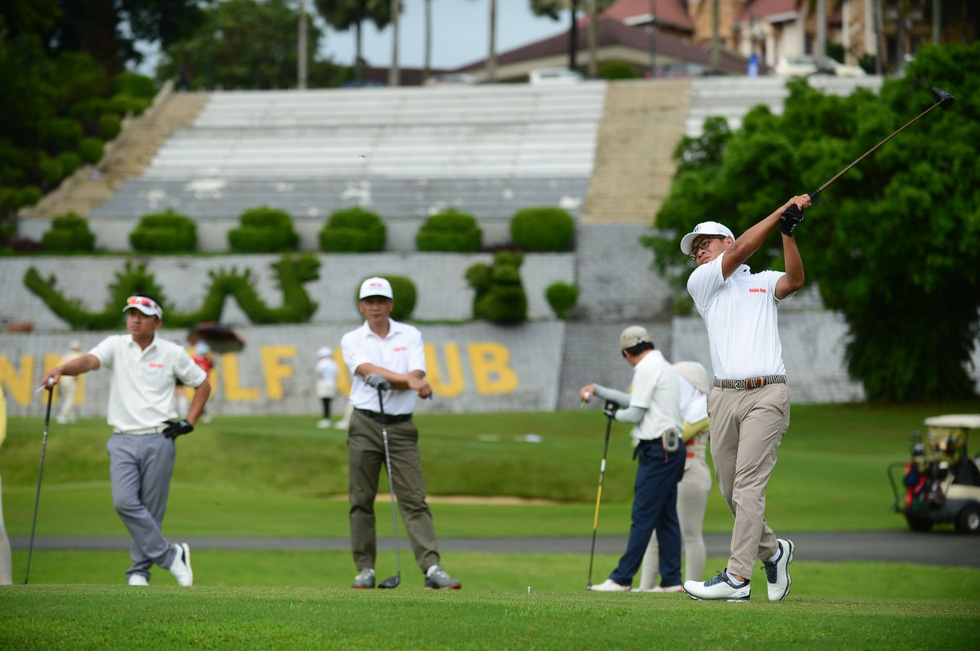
x,y
562,298
30,195
405,295
59,134
353,230
500,296
70,161
542,229
51,170
449,231
91,150
109,126
68,232
136,85
616,70
165,232
263,230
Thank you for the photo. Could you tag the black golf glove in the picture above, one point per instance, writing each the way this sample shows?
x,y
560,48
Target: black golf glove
x,y
177,427
610,409
377,382
789,219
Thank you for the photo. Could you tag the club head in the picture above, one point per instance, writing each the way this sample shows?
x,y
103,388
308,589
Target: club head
x,y
944,99
391,582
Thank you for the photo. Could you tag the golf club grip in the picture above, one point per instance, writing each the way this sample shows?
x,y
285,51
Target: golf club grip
x,y
813,195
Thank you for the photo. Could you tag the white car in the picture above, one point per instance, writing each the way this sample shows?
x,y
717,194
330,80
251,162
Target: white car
x,y
806,65
554,76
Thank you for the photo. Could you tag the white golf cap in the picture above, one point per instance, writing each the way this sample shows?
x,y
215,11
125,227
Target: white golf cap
x,y
634,335
375,286
704,228
325,351
144,304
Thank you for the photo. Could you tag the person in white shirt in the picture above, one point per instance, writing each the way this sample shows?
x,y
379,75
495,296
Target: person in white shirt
x,y
69,388
692,492
749,404
394,351
654,410
326,382
143,416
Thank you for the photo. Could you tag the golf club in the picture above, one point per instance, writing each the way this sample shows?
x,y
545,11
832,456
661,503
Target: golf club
x,y
392,581
943,99
40,473
598,498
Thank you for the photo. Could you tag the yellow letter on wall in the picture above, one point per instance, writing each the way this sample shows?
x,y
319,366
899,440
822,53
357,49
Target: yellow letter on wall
x,y
234,391
454,383
275,370
490,370
19,385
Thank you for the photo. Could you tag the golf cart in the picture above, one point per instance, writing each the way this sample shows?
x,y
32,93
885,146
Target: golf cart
x,y
941,480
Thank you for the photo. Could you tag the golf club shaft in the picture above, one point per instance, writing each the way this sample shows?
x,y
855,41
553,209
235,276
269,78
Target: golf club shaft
x,y
391,482
598,497
813,195
40,474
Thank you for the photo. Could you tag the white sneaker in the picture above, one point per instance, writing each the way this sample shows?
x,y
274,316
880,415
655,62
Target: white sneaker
x,y
138,579
668,588
181,566
644,590
341,424
609,586
777,572
323,424
720,587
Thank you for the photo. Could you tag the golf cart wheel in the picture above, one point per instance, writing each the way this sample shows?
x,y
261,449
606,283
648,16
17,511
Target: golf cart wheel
x,y
968,520
919,524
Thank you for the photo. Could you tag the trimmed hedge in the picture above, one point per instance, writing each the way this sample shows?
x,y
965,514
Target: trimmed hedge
x,y
165,232
109,126
91,150
30,195
562,298
543,228
264,230
70,161
616,70
451,231
500,295
136,85
353,230
405,295
60,134
68,232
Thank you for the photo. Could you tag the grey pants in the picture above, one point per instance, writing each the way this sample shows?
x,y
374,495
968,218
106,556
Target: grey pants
x,y
366,453
140,467
747,427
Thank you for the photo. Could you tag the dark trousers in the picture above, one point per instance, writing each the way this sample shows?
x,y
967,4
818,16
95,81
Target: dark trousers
x,y
654,509
365,449
326,407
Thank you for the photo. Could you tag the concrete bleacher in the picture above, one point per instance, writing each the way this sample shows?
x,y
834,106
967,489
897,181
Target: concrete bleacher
x,y
733,97
404,153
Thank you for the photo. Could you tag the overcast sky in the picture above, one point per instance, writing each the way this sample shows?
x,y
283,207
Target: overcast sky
x,y
460,33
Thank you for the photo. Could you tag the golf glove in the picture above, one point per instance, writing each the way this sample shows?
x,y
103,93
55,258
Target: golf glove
x,y
610,409
377,382
789,219
177,427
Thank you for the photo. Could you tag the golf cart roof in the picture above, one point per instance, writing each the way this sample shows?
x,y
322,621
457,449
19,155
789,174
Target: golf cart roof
x,y
968,421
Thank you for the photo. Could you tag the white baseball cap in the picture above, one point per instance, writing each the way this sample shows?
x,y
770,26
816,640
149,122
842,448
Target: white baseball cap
x,y
634,335
324,351
375,286
704,228
144,304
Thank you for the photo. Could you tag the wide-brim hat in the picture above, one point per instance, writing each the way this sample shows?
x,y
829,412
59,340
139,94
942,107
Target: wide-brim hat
x,y
695,374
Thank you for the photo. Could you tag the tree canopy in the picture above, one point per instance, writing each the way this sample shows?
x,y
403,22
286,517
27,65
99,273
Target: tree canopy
x,y
894,244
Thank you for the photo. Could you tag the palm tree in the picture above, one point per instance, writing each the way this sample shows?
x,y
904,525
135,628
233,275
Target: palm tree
x,y
553,8
344,14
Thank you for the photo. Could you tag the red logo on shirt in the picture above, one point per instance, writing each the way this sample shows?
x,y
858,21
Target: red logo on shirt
x,y
757,290
152,365
398,350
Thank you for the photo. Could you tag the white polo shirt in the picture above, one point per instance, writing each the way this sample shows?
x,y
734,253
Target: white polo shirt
x,y
141,394
694,404
401,351
656,388
740,314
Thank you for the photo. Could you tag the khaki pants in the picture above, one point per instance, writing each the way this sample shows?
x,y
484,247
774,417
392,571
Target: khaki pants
x,y
747,427
365,449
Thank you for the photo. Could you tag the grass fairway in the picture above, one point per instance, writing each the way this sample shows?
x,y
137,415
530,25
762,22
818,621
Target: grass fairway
x,y
118,617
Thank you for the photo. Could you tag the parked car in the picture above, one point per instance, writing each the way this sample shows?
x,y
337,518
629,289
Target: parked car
x,y
554,76
806,65
451,78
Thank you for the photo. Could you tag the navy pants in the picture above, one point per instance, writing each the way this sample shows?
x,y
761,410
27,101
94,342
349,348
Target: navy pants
x,y
654,509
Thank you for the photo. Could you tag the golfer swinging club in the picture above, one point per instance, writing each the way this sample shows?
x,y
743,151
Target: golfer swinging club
x,y
143,417
393,351
749,403
654,409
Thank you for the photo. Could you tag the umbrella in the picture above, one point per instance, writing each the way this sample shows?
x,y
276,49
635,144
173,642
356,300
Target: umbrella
x,y
221,338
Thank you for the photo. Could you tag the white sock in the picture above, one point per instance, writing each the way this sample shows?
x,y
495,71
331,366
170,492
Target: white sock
x,y
432,568
775,557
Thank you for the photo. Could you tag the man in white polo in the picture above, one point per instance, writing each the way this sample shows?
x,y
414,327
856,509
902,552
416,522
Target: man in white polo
x,y
394,351
749,403
143,417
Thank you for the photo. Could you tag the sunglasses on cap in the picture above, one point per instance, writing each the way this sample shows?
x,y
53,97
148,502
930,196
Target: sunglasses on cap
x,y
141,300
